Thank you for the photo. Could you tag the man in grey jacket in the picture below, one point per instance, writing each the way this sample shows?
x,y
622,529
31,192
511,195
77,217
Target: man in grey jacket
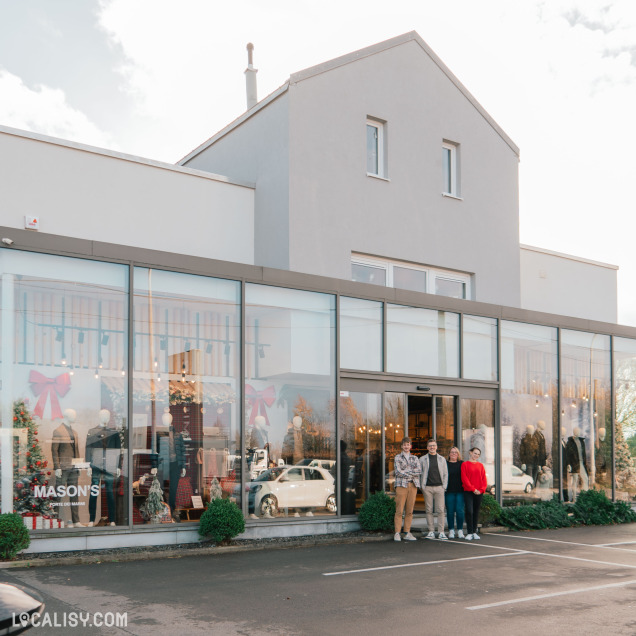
x,y
434,483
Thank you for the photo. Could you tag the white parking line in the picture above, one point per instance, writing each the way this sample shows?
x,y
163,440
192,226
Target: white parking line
x,y
586,545
412,565
540,596
603,545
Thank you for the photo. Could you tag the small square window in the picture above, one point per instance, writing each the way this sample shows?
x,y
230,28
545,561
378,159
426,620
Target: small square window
x,y
450,169
376,163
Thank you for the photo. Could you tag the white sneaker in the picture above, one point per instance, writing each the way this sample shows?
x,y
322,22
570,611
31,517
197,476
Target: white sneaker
x,y
409,537
476,536
442,536
460,534
469,537
451,534
397,537
430,535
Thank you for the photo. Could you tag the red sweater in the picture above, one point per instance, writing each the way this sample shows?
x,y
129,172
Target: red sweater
x,y
474,477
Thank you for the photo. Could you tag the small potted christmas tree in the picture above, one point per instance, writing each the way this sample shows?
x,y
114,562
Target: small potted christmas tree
x,y
29,471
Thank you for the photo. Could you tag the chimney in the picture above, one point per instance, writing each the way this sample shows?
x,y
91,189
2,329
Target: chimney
x,y
250,79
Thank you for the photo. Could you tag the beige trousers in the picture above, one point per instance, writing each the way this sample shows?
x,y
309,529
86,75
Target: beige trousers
x,y
404,499
434,495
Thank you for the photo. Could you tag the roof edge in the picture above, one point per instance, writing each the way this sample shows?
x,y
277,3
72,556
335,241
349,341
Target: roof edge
x,y
115,154
579,259
348,58
234,124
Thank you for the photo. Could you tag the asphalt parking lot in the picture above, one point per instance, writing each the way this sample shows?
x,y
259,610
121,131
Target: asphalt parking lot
x,y
576,581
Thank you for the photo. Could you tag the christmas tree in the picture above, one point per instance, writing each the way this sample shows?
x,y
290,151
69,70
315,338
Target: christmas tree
x,y
153,507
29,465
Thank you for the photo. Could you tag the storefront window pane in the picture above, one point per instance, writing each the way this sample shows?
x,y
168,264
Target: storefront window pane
x,y
530,442
65,435
478,431
422,341
360,448
289,403
394,424
625,423
360,334
479,345
186,431
586,413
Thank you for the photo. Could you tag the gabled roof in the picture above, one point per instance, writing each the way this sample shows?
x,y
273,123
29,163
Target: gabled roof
x,y
324,67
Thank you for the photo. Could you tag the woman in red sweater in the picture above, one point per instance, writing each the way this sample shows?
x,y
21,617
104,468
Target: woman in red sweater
x,y
474,482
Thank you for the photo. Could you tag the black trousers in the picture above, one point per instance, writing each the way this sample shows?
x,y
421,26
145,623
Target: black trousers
x,y
472,504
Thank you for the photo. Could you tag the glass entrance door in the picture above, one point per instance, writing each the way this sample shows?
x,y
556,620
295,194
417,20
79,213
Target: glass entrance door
x,y
360,448
478,431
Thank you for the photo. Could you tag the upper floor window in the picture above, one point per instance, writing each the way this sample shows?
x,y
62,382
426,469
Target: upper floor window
x,y
376,151
429,280
450,167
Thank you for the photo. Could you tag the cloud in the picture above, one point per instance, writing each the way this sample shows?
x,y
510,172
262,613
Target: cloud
x,y
46,111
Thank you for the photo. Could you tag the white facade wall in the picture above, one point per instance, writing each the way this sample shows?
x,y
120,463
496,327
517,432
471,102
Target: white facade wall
x,y
328,205
89,193
336,209
566,285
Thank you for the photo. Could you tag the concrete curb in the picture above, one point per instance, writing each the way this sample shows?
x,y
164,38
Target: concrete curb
x,y
179,553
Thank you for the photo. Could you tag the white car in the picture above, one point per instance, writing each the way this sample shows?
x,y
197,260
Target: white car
x,y
514,480
291,487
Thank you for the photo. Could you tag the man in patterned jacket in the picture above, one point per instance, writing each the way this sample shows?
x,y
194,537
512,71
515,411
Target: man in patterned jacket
x,y
407,481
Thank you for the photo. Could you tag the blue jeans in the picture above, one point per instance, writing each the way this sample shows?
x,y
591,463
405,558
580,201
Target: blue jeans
x,y
455,506
109,481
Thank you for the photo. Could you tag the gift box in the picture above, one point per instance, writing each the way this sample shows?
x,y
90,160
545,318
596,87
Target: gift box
x,y
33,521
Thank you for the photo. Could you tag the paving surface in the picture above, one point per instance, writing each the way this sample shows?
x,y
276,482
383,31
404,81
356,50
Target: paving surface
x,y
572,581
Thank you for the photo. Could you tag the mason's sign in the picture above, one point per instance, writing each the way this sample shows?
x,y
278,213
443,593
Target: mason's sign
x,y
71,491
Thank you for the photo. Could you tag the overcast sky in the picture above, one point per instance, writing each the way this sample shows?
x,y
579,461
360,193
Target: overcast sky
x,y
155,78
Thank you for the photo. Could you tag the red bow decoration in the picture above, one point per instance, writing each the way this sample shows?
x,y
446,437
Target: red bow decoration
x,y
43,387
259,400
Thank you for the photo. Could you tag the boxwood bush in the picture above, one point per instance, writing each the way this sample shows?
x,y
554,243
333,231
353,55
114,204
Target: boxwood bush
x,y
489,511
377,512
222,521
14,537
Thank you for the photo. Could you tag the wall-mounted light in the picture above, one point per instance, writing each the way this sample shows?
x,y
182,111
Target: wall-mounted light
x,y
96,374
71,371
183,372
63,361
536,403
156,363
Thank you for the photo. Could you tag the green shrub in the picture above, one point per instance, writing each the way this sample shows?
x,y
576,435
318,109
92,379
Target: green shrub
x,y
544,514
14,537
592,507
222,520
489,511
377,512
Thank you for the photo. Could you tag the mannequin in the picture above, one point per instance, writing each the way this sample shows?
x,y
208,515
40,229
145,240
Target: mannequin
x,y
294,442
576,462
542,454
64,449
103,451
478,440
259,436
177,461
529,453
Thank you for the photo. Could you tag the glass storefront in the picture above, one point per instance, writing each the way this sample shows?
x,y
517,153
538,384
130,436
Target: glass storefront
x,y
625,418
586,413
422,341
360,334
185,424
64,345
530,440
479,348
267,438
290,381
